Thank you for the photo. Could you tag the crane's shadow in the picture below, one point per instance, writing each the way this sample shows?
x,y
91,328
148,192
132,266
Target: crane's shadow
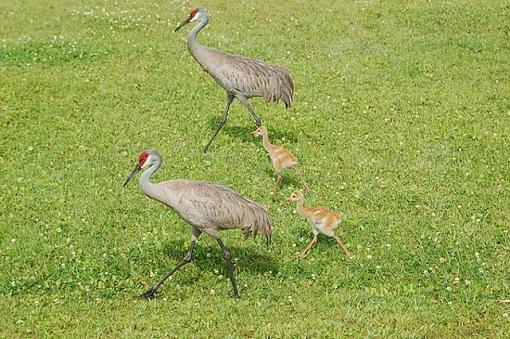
x,y
209,257
244,133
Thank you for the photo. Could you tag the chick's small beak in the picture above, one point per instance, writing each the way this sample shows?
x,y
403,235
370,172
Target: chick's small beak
x,y
184,23
135,170
254,133
289,198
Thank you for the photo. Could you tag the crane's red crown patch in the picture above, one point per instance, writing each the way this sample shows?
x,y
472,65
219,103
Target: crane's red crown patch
x,y
142,157
193,13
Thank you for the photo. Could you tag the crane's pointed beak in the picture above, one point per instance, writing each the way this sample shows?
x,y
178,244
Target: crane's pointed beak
x,y
135,170
184,23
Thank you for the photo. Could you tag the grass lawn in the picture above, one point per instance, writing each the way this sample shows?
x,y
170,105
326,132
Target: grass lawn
x,y
401,121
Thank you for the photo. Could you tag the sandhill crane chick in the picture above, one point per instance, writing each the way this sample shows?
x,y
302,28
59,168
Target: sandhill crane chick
x,y
322,220
209,208
281,158
241,77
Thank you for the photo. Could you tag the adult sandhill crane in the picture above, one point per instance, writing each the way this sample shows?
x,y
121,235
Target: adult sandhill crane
x,y
207,207
322,220
242,77
281,158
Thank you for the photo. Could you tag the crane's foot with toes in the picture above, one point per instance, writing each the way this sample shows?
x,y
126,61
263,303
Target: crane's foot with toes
x,y
149,294
301,256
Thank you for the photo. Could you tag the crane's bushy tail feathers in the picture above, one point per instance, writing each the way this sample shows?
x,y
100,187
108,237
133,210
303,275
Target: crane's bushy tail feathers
x,y
287,88
281,86
261,223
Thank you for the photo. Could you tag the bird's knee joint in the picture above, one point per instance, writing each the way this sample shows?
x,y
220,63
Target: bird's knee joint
x,y
227,256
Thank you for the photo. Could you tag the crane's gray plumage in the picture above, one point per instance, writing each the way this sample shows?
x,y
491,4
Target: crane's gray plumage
x,y
245,77
242,77
206,206
210,207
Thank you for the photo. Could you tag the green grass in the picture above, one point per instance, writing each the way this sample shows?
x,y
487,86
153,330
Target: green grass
x,y
401,121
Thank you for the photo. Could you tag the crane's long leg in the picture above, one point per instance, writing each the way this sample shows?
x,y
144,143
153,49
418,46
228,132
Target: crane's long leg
x,y
187,258
223,120
300,175
302,255
339,241
247,104
230,267
277,181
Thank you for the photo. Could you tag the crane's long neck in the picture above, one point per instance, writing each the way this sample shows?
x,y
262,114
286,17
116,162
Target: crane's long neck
x,y
265,141
301,208
145,181
193,45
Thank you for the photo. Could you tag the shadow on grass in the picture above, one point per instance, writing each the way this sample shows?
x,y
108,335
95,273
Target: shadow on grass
x,y
243,133
209,258
249,260
290,182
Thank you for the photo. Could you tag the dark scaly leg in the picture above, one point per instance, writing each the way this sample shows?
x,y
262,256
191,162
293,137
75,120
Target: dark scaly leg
x,y
230,267
149,294
223,120
247,104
